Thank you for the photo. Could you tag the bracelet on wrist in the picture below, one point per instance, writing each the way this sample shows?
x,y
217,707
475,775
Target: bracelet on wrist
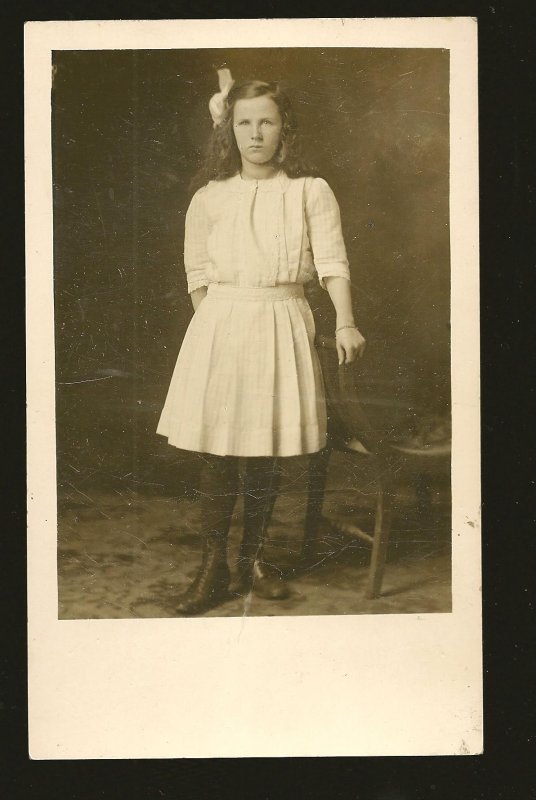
x,y
342,327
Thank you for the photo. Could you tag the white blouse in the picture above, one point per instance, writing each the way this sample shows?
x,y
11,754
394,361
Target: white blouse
x,y
263,233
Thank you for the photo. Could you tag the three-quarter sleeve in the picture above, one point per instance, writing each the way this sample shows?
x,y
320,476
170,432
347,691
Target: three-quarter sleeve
x,y
196,259
324,231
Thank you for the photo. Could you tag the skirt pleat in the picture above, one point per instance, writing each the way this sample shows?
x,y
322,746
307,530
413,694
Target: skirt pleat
x,y
247,381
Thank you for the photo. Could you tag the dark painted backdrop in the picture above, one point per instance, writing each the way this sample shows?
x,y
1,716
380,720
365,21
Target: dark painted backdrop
x,y
129,128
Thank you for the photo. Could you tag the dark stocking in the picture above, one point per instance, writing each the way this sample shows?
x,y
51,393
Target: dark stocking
x,y
262,479
316,486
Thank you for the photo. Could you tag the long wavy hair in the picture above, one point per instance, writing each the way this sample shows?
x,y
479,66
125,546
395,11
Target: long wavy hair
x,y
222,158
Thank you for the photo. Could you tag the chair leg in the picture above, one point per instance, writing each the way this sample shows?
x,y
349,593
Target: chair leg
x,y
382,529
316,485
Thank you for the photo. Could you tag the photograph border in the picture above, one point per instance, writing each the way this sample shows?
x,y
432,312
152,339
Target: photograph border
x,y
78,668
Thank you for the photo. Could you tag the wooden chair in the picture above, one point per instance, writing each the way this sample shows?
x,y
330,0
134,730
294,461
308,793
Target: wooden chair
x,y
350,431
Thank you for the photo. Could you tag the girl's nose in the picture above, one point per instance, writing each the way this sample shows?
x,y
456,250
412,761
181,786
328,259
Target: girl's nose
x,y
256,132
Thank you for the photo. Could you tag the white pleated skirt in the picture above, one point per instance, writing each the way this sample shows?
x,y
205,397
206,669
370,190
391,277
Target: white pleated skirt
x,y
247,381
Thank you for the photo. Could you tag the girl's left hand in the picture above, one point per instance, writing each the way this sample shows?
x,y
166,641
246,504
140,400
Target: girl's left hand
x,y
350,345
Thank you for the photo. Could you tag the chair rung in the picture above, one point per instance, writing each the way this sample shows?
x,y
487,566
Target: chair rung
x,y
349,528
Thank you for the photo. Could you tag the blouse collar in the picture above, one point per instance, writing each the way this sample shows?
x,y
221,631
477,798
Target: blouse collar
x,y
278,183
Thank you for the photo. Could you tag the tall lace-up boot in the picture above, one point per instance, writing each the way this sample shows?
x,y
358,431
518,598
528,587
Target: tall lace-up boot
x,y
218,489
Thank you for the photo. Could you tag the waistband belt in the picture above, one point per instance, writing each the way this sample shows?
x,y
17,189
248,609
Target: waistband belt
x,y
283,291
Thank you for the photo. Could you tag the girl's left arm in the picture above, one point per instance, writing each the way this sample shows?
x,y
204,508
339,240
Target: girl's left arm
x,y
350,343
325,235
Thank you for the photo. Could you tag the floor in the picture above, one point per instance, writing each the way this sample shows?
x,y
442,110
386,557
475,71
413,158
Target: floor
x,y
127,552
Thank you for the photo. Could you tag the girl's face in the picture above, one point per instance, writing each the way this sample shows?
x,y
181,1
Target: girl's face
x,y
257,128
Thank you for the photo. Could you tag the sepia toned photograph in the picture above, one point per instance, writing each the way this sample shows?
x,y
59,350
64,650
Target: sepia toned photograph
x,y
252,307
253,424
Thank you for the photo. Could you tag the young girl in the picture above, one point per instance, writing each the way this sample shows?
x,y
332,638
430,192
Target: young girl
x,y
247,382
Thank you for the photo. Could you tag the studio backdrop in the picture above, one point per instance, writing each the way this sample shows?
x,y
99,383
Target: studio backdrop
x,y
129,131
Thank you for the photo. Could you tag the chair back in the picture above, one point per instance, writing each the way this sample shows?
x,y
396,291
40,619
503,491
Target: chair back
x,y
347,418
